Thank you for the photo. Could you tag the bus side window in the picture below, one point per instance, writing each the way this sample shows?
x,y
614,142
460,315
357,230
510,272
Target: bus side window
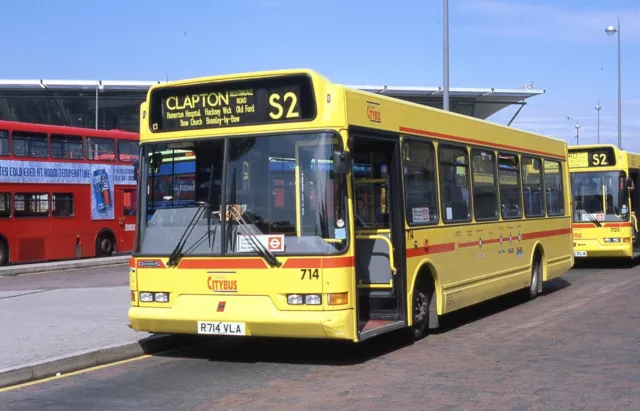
x,y
5,205
532,187
63,205
4,143
553,187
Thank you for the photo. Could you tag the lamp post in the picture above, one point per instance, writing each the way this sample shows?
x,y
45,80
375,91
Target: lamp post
x,y
445,49
598,107
577,134
611,30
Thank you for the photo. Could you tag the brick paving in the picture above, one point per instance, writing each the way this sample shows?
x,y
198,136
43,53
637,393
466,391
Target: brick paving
x,y
575,348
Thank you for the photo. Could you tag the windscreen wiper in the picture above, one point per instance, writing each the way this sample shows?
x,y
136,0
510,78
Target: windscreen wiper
x,y
593,219
203,207
271,259
177,253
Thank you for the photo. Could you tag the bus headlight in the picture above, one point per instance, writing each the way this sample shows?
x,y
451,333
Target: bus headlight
x,y
162,297
612,240
294,299
146,297
313,299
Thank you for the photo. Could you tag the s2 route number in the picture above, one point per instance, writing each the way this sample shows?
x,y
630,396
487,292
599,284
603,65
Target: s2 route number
x,y
290,100
600,159
310,273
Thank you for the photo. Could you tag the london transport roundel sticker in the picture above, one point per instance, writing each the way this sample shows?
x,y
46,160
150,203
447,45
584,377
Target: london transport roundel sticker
x,y
340,223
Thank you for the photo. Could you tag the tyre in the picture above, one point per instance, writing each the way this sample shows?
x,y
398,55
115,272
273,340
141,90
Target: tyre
x,y
420,308
4,253
105,245
536,278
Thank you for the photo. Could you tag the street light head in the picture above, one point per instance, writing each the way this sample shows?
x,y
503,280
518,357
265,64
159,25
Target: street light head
x,y
577,126
610,30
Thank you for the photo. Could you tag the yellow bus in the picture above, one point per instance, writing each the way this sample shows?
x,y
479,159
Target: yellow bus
x,y
321,211
603,180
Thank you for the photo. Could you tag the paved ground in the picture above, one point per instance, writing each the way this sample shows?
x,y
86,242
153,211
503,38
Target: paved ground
x,y
44,316
574,348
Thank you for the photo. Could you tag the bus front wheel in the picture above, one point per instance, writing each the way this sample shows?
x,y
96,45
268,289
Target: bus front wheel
x,y
421,300
105,245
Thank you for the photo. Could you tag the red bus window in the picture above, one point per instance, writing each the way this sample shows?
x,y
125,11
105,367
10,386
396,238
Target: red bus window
x,y
128,151
27,144
62,205
4,143
31,205
5,205
129,203
66,147
100,149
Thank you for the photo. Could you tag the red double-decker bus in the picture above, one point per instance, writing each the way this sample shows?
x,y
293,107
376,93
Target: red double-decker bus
x,y
65,192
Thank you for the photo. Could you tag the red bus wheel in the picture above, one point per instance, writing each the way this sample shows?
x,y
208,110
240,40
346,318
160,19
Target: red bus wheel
x,y
105,245
4,253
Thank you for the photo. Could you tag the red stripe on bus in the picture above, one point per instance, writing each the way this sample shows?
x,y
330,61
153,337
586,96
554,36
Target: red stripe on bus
x,y
330,262
606,225
447,247
478,142
303,263
548,233
432,249
338,262
224,263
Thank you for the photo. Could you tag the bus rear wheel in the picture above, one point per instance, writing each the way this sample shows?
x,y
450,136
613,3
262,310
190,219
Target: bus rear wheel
x,y
4,253
105,245
536,277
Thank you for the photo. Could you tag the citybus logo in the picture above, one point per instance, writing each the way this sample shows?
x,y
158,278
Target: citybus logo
x,y
222,286
373,112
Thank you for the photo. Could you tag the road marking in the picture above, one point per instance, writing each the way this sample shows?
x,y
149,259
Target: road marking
x,y
71,374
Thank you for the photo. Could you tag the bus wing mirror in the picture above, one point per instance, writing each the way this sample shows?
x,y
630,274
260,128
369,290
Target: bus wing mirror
x,y
630,184
341,162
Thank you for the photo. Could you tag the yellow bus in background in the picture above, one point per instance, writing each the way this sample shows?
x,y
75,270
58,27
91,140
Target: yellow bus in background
x,y
603,181
319,211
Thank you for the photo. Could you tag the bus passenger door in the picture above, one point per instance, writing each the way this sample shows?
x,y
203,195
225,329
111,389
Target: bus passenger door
x,y
634,195
379,242
125,218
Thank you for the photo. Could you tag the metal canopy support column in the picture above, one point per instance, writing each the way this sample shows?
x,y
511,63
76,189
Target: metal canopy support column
x,y
516,114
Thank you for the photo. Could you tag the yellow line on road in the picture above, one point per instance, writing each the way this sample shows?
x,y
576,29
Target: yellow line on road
x,y
71,374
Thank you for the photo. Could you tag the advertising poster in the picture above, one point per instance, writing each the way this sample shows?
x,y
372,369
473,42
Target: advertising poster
x,y
101,177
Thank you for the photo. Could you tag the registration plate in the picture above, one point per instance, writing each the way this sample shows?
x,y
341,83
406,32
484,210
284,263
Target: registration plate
x,y
580,253
221,328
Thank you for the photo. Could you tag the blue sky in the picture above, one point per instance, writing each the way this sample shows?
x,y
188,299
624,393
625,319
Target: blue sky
x,y
560,45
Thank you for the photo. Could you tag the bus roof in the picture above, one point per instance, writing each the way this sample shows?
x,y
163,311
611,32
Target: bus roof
x,y
407,118
80,131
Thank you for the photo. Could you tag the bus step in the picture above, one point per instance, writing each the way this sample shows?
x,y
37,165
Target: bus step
x,y
376,327
383,316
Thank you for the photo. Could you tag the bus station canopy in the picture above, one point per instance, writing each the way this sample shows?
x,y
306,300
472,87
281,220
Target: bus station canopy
x,y
74,102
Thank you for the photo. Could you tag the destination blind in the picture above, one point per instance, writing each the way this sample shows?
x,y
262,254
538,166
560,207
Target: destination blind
x,y
596,157
226,105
